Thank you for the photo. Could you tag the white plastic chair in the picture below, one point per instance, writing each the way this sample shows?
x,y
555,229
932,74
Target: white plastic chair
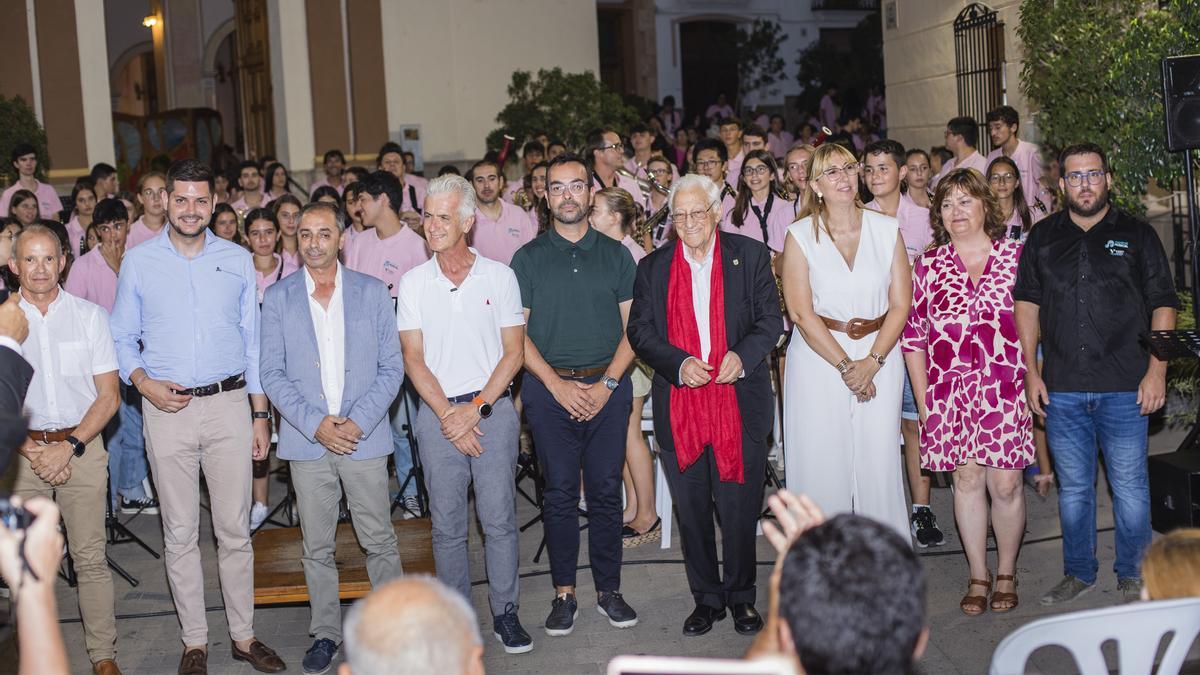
x,y
662,493
1137,628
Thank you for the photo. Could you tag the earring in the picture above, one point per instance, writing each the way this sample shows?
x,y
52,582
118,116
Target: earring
x,y
819,196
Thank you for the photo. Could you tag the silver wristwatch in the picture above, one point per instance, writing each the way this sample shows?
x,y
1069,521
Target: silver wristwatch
x,y
610,382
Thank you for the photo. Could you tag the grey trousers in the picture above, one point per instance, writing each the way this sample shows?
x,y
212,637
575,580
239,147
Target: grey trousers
x,y
319,484
448,475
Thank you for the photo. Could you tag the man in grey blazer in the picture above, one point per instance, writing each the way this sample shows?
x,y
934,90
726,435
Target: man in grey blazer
x,y
331,366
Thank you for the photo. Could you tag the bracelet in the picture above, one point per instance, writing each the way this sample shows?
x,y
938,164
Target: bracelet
x,y
843,365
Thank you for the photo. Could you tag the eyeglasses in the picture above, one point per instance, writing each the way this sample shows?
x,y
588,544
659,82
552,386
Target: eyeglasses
x,y
694,216
613,146
658,172
760,170
576,187
851,170
707,163
1002,178
1093,177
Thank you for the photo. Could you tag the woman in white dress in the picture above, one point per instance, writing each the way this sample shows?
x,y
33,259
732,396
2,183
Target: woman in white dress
x,y
848,289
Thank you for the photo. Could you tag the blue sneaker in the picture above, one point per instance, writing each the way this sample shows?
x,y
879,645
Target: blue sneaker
x,y
507,629
319,657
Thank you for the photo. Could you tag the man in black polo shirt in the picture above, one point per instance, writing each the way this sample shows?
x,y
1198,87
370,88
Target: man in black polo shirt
x,y
1093,279
576,288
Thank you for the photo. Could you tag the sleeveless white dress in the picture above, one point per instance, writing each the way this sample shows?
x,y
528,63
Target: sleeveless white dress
x,y
842,453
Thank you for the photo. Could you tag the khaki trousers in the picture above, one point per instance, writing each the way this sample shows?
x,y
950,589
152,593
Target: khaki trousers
x,y
213,434
81,500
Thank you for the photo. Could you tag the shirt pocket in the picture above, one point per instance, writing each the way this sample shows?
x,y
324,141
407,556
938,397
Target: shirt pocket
x,y
74,359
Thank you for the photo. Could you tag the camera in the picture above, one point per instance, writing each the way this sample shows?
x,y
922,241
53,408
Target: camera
x,y
15,518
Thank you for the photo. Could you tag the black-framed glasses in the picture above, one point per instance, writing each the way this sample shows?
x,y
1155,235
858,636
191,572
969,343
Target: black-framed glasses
x,y
613,146
760,170
1093,177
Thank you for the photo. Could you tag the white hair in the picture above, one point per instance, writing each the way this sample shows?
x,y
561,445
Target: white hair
x,y
452,184
421,638
693,181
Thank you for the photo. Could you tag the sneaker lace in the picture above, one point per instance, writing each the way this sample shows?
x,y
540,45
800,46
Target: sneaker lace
x,y
506,622
924,519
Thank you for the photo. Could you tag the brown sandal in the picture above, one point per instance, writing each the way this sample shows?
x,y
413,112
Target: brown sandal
x,y
974,605
1002,601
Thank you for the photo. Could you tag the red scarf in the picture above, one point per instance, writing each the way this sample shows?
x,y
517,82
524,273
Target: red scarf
x,y
707,416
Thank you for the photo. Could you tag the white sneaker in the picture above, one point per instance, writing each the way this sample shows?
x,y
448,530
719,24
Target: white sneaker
x,y
258,513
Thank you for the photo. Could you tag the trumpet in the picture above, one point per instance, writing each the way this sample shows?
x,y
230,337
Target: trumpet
x,y
523,198
646,185
651,223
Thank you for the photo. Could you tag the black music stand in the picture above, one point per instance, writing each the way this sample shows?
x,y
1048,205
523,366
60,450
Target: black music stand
x,y
417,472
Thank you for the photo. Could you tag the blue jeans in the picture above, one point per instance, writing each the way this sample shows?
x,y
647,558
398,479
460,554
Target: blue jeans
x,y
127,464
1077,425
401,448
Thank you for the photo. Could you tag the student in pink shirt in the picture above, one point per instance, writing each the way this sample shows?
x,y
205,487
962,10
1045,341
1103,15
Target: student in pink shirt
x,y
412,194
224,224
884,170
251,184
104,177
152,195
779,140
24,208
83,199
1006,181
277,181
334,163
795,173
828,108
962,135
287,217
708,159
759,212
94,274
719,110
731,135
605,152
642,140
662,171
916,179
355,226
24,160
500,227
532,154
388,249
1003,123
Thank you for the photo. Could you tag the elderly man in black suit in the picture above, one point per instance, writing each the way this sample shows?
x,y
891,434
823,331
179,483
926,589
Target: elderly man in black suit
x,y
705,316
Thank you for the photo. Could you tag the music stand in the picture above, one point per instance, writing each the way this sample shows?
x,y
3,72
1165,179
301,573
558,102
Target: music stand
x,y
1169,345
416,473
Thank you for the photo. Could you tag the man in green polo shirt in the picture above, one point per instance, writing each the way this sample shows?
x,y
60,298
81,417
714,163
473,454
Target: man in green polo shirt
x,y
576,288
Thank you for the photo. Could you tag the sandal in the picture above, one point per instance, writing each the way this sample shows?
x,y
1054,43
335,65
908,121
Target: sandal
x,y
1002,601
974,605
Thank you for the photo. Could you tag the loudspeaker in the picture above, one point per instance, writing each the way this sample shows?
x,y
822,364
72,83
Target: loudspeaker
x,y
1175,490
1181,101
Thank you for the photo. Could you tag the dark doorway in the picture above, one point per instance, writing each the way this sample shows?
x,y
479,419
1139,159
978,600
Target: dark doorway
x,y
708,64
615,26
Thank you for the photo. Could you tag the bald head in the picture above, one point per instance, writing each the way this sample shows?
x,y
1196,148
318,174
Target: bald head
x,y
412,625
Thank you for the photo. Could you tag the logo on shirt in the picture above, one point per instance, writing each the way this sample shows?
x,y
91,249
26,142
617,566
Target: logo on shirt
x,y
488,301
1116,247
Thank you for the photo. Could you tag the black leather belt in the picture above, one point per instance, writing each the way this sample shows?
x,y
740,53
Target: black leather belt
x,y
467,398
231,383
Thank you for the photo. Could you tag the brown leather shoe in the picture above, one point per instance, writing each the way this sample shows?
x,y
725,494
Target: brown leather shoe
x,y
261,657
194,662
105,667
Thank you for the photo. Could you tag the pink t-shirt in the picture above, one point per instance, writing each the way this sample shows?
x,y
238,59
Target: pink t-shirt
x,y
827,113
412,196
914,225
733,168
388,259
49,205
139,232
779,145
625,183
283,267
76,234
635,249
499,239
243,208
719,111
93,280
1028,159
323,181
780,215
973,161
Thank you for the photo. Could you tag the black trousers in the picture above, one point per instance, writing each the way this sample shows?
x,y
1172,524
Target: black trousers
x,y
696,492
564,447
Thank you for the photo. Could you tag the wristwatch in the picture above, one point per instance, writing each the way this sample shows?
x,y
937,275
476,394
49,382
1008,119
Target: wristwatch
x,y
610,382
77,446
261,415
485,408
878,358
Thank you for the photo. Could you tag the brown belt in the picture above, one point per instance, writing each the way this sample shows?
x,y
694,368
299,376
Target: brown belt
x,y
857,329
51,435
581,372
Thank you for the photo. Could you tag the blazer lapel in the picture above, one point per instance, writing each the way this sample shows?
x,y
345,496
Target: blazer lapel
x,y
298,299
351,305
731,274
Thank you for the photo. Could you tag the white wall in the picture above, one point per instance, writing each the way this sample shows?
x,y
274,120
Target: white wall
x,y
93,81
291,89
448,64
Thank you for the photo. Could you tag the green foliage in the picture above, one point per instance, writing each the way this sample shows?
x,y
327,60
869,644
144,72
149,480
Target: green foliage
x,y
1096,76
18,124
855,72
759,65
564,105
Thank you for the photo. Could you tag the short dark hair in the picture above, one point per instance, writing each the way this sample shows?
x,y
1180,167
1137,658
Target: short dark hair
x,y
569,158
450,168
383,183
259,213
325,191
110,211
916,151
387,149
102,171
249,164
639,128
1006,114
532,146
853,594
710,144
358,171
756,131
942,152
20,150
1082,149
553,142
331,154
189,171
966,127
730,120
339,216
595,141
885,146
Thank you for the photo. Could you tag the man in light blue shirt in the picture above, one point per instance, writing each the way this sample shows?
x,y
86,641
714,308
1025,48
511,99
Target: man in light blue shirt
x,y
185,324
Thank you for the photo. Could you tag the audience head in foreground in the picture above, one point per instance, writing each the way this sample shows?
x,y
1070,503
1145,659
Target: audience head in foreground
x,y
852,598
1171,567
412,625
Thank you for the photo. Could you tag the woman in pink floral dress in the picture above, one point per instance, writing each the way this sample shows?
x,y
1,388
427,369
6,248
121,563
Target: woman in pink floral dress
x,y
967,372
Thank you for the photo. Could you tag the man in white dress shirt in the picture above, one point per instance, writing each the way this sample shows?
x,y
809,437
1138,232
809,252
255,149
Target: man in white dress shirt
x,y
72,397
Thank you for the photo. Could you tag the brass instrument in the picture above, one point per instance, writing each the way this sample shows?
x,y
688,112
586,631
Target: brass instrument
x,y
644,184
523,198
647,226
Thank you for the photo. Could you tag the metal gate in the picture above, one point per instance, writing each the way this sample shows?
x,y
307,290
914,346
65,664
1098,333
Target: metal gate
x,y
979,65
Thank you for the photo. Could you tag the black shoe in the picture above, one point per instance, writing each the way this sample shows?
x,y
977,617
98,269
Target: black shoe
x,y
146,505
507,629
563,612
701,620
319,657
746,619
614,607
925,529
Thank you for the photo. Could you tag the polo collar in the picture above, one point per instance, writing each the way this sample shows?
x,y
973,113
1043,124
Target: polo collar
x,y
441,276
586,243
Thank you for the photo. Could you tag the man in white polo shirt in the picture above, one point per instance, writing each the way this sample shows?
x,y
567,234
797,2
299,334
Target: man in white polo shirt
x,y
462,331
71,398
